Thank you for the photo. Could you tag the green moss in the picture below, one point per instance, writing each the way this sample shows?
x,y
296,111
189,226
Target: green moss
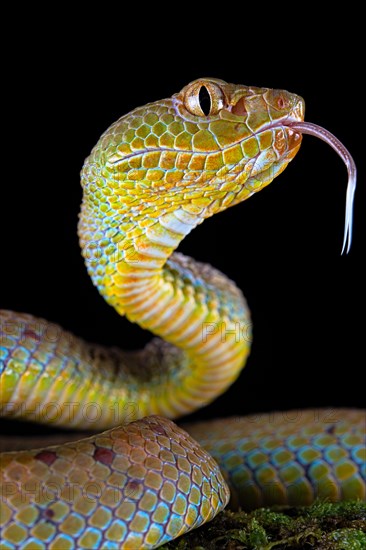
x,y
324,526
347,539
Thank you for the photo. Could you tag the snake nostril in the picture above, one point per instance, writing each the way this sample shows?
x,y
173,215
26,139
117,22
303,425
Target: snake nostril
x,y
239,109
281,103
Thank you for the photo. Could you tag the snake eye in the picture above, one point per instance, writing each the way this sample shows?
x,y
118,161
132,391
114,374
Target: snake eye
x,y
204,99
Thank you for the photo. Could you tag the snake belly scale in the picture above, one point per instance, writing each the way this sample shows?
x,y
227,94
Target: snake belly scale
x,y
154,175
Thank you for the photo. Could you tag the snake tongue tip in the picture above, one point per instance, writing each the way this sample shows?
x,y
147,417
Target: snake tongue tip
x,y
345,250
349,209
330,139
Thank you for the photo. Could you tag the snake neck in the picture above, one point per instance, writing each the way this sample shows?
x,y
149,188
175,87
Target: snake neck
x,y
192,306
153,176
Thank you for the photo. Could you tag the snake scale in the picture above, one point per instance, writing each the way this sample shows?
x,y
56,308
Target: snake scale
x,y
154,175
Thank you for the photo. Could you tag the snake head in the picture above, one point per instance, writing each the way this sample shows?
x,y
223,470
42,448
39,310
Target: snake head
x,y
242,134
208,147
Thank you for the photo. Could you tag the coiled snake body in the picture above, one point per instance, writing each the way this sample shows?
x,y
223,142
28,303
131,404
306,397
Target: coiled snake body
x,y
154,175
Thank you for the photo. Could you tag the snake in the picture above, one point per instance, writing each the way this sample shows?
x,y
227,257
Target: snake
x,y
140,480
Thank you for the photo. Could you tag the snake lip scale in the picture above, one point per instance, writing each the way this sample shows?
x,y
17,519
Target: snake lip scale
x,y
153,176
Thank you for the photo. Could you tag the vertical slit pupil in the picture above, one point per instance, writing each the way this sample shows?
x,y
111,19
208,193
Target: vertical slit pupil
x,y
205,100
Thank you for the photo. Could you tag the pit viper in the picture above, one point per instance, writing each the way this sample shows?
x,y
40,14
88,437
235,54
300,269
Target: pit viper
x,y
153,176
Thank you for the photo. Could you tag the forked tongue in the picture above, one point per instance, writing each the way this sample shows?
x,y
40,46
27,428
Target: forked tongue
x,y
321,133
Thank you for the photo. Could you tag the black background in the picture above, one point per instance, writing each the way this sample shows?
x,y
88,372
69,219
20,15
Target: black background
x,y
282,247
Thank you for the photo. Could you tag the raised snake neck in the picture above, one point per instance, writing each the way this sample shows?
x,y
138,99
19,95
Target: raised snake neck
x,y
154,175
